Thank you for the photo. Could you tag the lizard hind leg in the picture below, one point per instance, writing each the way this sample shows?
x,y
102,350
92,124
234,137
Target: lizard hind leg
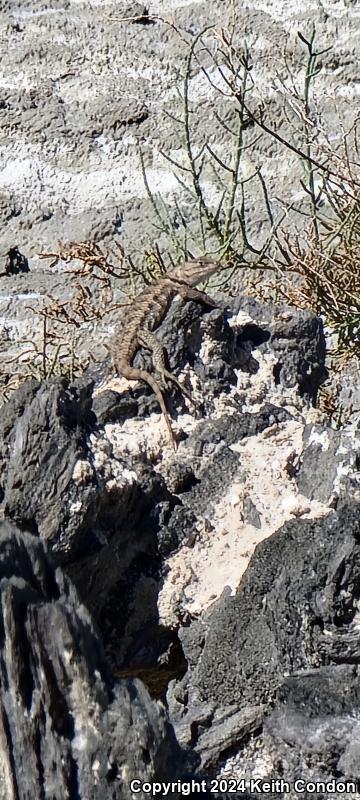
x,y
165,374
148,339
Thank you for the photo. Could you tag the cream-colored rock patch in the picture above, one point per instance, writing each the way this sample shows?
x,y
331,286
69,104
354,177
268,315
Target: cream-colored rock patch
x,y
225,541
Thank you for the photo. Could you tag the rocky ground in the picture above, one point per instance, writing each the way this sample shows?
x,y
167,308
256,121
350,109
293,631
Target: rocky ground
x,y
255,659
223,577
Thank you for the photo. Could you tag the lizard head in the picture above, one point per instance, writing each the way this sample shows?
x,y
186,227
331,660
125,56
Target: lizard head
x,y
194,272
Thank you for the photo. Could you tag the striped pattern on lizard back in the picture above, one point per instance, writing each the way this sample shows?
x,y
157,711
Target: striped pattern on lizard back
x,y
145,313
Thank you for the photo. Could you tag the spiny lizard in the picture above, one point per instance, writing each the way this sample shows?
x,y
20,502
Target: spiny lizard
x,y
147,312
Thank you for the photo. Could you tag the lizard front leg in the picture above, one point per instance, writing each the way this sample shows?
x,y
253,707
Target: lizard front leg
x,y
190,293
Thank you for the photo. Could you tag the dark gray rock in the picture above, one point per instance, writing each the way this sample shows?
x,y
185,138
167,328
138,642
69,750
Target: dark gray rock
x,y
329,464
251,514
67,729
294,614
137,10
216,437
295,337
16,262
91,531
348,394
315,728
111,407
299,344
42,437
235,426
126,542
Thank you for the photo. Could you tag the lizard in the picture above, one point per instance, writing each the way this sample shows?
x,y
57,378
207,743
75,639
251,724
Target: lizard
x,y
145,314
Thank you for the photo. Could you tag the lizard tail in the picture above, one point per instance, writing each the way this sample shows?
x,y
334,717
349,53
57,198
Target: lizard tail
x,y
133,374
